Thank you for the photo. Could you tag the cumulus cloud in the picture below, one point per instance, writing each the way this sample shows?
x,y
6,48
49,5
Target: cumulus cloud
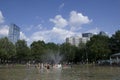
x,y
62,28
54,35
77,19
61,34
39,35
4,29
59,21
1,17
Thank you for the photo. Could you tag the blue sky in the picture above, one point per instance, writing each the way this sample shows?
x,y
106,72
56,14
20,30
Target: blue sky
x,y
54,20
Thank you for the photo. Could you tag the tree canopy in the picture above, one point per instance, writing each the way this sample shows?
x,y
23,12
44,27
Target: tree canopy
x,y
98,48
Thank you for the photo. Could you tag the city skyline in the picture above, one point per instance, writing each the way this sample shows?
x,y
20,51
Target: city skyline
x,y
53,21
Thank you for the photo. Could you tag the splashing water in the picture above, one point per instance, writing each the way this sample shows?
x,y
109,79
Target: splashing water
x,y
52,57
56,57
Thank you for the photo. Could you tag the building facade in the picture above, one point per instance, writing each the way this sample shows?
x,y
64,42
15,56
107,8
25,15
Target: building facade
x,y
88,35
102,33
14,33
73,40
76,40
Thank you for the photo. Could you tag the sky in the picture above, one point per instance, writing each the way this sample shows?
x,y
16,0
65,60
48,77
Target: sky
x,y
54,20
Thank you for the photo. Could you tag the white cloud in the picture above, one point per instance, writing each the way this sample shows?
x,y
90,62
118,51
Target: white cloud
x,y
61,34
39,35
54,35
77,19
59,21
75,22
94,31
4,29
23,36
1,17
61,28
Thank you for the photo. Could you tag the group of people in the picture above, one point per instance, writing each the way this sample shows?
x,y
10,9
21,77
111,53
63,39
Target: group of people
x,y
45,67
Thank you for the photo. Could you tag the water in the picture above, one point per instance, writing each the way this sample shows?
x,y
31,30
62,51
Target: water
x,y
52,57
77,72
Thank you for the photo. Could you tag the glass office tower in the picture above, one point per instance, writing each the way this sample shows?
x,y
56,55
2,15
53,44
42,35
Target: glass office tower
x,y
14,33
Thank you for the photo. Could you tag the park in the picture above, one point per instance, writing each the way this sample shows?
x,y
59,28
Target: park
x,y
40,60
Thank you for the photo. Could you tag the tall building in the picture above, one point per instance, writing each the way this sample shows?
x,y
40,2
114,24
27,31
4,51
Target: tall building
x,y
73,40
102,33
76,40
87,35
14,33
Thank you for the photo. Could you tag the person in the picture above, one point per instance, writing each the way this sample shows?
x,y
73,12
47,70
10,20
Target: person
x,y
59,65
41,66
28,64
47,67
37,66
70,64
55,66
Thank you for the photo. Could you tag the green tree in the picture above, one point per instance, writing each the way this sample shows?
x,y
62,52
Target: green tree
x,y
80,55
68,51
38,48
22,50
98,47
52,46
115,42
7,49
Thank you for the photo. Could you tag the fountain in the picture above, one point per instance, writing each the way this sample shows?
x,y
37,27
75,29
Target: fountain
x,y
53,58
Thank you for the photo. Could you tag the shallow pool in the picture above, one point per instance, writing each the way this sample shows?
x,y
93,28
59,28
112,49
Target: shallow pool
x,y
77,72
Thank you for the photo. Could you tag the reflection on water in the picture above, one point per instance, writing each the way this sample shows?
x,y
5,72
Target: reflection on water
x,y
81,72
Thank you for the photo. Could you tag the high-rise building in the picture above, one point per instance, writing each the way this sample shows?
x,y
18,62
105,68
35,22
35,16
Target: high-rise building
x,y
87,35
102,33
73,40
14,33
76,40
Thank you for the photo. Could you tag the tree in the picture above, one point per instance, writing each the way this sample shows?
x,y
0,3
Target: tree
x,y
115,42
80,54
68,51
98,47
22,50
7,49
38,48
52,46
